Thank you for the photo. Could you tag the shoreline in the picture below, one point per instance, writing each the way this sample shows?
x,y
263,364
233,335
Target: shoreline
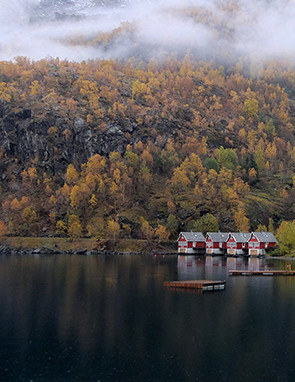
x,y
84,246
47,251
91,246
8,251
281,257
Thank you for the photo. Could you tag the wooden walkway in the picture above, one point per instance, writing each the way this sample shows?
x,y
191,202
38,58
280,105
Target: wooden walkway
x,y
261,273
204,285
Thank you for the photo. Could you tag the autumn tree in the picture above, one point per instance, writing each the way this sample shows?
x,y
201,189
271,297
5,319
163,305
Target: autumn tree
x,y
251,107
74,227
161,233
286,237
241,220
146,230
29,218
71,175
261,227
61,227
113,228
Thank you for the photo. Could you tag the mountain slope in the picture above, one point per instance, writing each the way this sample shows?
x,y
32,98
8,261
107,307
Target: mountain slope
x,y
170,145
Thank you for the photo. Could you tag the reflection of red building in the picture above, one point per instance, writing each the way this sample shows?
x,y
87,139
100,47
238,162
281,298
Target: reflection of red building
x,y
191,242
237,243
189,262
216,243
260,242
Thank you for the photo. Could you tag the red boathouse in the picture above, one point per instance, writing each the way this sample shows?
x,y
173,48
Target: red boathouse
x,y
260,242
237,243
216,243
191,242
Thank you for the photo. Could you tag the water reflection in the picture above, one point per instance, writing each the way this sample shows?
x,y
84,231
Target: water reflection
x,y
193,267
109,318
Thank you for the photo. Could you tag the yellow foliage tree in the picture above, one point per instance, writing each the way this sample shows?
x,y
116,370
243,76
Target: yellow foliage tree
x,y
61,227
72,174
241,221
146,230
162,233
74,227
29,218
15,204
113,229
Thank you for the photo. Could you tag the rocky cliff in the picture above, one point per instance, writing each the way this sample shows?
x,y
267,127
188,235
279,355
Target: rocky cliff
x,y
26,140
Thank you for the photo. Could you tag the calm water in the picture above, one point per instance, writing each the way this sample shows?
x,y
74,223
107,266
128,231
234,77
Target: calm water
x,y
72,318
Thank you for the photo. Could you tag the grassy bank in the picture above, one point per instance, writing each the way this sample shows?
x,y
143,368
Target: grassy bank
x,y
65,244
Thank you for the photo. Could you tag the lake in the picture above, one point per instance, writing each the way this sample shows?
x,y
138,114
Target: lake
x,y
96,318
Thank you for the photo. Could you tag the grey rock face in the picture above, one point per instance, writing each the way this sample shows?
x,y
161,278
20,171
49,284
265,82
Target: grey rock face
x,y
23,139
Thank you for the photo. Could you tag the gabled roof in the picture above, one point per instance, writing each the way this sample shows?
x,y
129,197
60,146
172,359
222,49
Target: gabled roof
x,y
265,237
192,236
240,237
218,237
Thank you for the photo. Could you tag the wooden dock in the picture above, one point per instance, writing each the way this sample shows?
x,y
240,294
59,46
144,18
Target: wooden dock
x,y
261,273
204,285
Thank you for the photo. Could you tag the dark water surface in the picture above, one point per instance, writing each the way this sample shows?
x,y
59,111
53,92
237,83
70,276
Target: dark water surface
x,y
71,318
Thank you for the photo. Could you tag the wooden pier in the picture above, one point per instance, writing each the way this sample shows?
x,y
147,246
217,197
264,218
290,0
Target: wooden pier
x,y
203,285
261,273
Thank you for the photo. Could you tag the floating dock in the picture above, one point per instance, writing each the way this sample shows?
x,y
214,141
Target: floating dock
x,y
204,285
261,273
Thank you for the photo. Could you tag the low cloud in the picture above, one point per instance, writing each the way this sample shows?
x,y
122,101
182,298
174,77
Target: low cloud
x,y
77,30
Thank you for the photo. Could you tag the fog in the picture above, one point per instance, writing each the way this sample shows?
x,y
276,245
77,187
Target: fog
x,y
227,30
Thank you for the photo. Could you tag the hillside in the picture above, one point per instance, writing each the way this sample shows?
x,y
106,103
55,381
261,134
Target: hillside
x,y
108,148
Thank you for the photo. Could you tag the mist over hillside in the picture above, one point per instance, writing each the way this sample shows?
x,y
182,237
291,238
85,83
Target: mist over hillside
x,y
213,29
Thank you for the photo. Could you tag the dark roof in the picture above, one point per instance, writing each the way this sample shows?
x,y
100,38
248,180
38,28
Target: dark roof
x,y
193,236
265,237
241,237
220,237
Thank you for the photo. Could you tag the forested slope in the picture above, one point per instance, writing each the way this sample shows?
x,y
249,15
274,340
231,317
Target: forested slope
x,y
108,148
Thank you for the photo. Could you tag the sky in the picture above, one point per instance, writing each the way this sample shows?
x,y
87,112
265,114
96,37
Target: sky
x,y
225,29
